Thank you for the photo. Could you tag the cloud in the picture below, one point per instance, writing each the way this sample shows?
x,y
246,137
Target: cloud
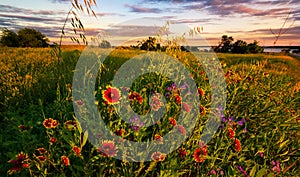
x,y
139,9
11,9
31,18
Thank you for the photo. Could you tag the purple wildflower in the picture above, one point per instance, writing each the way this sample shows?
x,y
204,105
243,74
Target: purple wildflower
x,y
242,171
276,166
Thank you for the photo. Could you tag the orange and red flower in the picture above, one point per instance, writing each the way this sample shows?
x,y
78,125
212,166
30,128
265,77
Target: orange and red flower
x,y
201,92
53,140
76,150
177,99
70,125
182,152
158,156
172,121
237,145
108,148
50,123
20,163
136,97
65,160
200,154
202,110
159,139
41,158
111,95
42,150
23,128
231,133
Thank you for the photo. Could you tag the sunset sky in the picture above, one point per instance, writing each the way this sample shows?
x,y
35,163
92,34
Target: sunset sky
x,y
241,19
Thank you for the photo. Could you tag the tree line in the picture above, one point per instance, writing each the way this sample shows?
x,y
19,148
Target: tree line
x,y
26,37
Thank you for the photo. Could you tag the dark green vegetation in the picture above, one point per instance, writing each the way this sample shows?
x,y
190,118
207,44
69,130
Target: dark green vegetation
x,y
25,37
262,89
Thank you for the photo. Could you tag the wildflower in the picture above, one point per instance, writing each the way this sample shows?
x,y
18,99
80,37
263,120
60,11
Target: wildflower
x,y
201,92
184,86
181,129
200,154
231,133
241,122
202,110
177,99
76,150
182,152
23,128
240,168
119,132
159,139
136,97
28,77
136,123
41,158
19,163
213,172
70,125
108,149
111,95
42,150
276,166
237,145
186,107
158,156
156,103
50,123
53,140
79,102
172,121
65,160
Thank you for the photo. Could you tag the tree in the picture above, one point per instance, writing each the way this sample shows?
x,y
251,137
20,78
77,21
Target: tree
x,y
32,38
105,44
240,47
149,44
225,44
9,38
255,48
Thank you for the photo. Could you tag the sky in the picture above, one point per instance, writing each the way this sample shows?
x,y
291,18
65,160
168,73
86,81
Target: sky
x,y
127,19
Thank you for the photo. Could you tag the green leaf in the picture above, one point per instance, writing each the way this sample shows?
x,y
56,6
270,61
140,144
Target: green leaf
x,y
253,171
261,172
85,137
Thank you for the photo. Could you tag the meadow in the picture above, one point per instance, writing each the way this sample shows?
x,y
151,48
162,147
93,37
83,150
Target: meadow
x,y
41,135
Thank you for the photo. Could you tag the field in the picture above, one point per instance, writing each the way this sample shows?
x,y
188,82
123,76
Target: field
x,y
42,136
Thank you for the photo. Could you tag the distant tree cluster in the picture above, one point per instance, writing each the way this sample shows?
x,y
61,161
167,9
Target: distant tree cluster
x,y
25,37
227,45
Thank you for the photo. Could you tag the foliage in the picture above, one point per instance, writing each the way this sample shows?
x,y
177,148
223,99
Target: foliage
x,y
226,45
9,38
25,37
261,113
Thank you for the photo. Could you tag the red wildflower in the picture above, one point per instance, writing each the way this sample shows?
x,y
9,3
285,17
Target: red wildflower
x,y
19,163
182,152
158,138
111,95
41,158
119,132
136,97
23,128
156,104
200,154
65,160
181,129
53,140
158,156
172,121
201,92
237,145
202,110
186,107
108,148
70,125
231,133
42,150
76,150
177,99
50,123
